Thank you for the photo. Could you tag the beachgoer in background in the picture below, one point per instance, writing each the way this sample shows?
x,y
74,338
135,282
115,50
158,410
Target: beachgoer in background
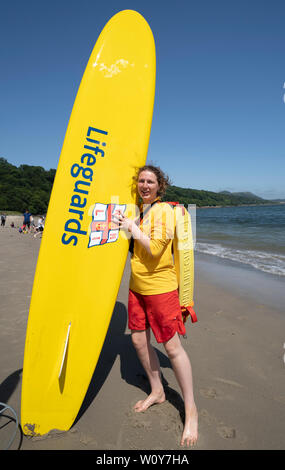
x,y
3,220
27,220
32,222
40,226
153,296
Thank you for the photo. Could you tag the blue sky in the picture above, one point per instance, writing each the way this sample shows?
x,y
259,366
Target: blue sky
x,y
219,114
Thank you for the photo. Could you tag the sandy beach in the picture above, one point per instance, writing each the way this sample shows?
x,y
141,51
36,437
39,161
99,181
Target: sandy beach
x,y
236,349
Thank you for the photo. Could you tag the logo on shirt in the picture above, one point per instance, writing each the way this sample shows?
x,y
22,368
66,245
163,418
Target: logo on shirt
x,y
103,230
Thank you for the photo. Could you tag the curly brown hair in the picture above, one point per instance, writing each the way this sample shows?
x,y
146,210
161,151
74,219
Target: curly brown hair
x,y
162,178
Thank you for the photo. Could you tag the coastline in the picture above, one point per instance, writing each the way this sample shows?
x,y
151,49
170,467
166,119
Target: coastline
x,y
242,205
236,350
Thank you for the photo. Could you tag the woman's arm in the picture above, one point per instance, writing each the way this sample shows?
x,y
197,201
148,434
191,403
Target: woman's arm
x,y
131,226
162,231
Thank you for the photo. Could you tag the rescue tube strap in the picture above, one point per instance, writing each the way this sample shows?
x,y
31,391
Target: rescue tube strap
x,y
142,214
189,311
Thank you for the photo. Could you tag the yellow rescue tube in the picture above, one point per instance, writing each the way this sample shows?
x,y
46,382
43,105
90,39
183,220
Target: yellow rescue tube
x,y
183,247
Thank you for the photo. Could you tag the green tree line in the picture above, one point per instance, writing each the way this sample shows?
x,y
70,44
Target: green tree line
x,y
25,187
29,187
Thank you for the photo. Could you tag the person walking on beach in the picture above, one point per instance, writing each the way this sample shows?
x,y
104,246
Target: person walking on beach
x,y
153,296
27,220
3,220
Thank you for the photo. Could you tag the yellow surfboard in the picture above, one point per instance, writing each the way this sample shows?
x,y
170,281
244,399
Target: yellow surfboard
x,y
82,253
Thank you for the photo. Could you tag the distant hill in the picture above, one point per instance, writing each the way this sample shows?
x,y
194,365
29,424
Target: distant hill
x,y
247,195
29,187
209,198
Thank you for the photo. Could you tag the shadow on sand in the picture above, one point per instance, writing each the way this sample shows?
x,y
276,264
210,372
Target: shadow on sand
x,y
8,421
117,342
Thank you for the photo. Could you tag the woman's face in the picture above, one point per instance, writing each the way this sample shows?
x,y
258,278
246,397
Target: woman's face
x,y
147,186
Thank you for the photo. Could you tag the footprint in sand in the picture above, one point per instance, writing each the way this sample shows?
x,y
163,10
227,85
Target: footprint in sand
x,y
166,415
212,392
219,312
226,432
208,392
142,424
206,417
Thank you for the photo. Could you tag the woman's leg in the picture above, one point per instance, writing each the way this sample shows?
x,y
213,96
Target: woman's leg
x,y
182,368
150,363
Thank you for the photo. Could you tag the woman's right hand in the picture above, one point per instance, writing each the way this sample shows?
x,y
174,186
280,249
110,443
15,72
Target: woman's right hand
x,y
127,224
122,221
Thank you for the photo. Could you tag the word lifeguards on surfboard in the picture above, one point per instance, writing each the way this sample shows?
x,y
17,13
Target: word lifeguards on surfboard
x,y
82,184
103,230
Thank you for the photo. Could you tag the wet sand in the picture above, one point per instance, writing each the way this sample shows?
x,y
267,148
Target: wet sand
x,y
236,350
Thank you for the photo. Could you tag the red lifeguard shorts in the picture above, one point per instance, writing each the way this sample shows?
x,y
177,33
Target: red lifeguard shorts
x,y
161,312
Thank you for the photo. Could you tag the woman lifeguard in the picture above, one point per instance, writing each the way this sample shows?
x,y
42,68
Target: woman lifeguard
x,y
153,297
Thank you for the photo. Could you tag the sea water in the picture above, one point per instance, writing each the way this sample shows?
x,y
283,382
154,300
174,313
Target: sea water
x,y
252,235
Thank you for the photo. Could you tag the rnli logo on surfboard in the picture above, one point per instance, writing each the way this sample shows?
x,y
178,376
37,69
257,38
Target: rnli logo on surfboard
x,y
103,230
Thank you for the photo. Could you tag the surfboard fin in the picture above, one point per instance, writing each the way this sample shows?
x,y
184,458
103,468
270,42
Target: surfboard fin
x,y
62,371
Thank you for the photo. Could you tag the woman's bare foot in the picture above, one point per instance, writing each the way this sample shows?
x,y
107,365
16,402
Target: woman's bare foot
x,y
190,431
153,398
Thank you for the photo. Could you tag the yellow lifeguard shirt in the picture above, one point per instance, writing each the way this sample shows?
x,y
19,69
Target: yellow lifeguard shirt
x,y
155,273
